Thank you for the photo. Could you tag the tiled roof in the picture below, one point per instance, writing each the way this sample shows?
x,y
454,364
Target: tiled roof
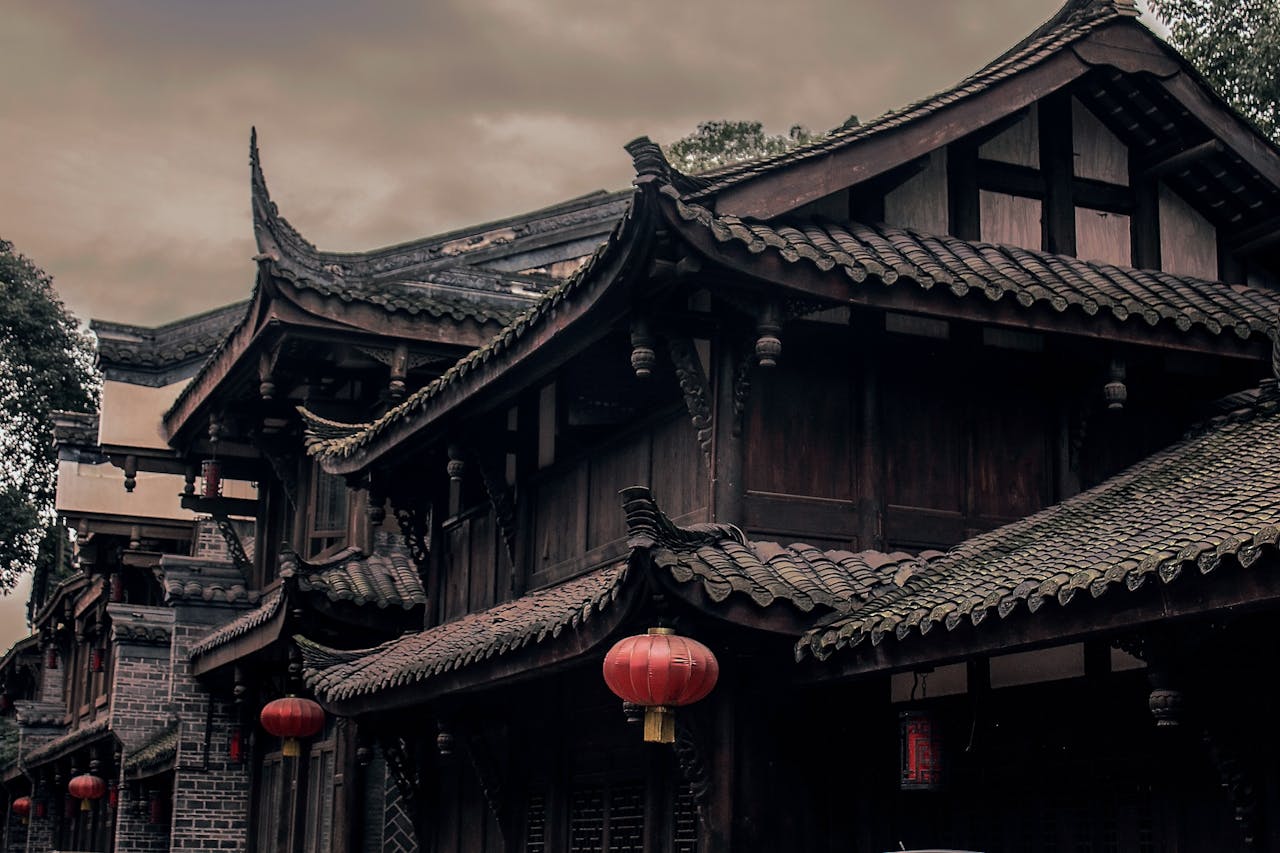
x,y
241,625
1212,498
506,628
386,578
721,559
331,440
1074,21
67,743
882,255
184,340
198,578
155,754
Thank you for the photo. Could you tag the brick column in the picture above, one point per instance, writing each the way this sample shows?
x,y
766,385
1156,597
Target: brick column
x,y
15,834
39,723
140,707
210,792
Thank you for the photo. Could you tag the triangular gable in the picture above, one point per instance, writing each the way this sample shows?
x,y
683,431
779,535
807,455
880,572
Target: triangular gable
x,y
1090,44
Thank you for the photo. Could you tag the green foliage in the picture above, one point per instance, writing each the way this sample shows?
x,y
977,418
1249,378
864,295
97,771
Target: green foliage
x,y
1236,45
724,142
46,365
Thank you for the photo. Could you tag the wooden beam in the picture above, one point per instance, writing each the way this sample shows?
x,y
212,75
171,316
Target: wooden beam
x,y
1057,160
1186,157
1255,237
788,187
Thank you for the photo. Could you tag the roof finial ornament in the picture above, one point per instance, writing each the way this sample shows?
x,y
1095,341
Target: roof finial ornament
x,y
648,160
275,236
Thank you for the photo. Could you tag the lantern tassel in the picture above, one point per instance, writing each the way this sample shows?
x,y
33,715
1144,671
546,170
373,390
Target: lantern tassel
x,y
292,748
84,805
659,724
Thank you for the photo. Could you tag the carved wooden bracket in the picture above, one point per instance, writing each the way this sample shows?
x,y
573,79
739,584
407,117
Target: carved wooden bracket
x,y
501,497
696,390
403,770
234,545
413,520
691,755
284,468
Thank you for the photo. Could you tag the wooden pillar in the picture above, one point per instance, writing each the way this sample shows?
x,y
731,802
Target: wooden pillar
x,y
728,449
1057,164
868,331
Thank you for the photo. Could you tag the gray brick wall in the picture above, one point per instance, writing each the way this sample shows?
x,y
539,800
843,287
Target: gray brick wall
x,y
36,727
134,831
211,793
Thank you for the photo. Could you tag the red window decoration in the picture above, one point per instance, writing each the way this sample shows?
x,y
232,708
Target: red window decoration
x,y
660,670
292,718
211,477
22,808
920,765
86,787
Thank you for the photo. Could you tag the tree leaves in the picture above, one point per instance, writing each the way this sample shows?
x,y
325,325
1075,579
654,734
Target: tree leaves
x,y
1235,44
724,142
46,365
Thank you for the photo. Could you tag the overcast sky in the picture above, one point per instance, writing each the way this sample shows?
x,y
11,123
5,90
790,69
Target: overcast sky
x,y
125,123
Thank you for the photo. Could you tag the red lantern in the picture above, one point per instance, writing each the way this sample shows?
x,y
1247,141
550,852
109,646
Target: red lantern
x,y
660,670
86,787
920,764
292,718
211,473
42,809
113,795
235,745
117,587
51,658
96,663
155,812
22,808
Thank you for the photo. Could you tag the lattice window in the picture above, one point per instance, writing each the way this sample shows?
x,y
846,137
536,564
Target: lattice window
x,y
329,511
607,818
535,825
269,799
684,822
318,832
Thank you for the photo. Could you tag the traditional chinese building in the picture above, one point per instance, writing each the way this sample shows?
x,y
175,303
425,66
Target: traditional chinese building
x,y
949,436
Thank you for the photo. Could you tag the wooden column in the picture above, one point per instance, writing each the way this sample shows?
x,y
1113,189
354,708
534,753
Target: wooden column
x,y
1057,164
868,331
728,451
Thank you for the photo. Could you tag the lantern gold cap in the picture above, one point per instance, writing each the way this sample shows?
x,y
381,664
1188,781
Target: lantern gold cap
x,y
663,631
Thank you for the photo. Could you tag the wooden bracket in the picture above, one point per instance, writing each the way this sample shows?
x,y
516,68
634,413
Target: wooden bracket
x,y
413,521
696,390
691,755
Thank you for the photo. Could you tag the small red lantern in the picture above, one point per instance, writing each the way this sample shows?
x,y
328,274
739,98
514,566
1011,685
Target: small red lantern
x,y
96,660
920,764
86,787
155,811
22,808
42,809
292,718
660,670
117,587
51,658
113,795
235,745
211,475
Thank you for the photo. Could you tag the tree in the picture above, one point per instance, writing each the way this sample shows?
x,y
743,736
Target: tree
x,y
46,365
724,142
1236,45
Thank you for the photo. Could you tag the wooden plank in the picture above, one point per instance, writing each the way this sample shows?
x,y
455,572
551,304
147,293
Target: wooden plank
x,y
964,218
798,516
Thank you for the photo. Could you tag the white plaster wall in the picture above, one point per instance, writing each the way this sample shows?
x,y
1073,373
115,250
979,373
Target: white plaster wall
x,y
131,414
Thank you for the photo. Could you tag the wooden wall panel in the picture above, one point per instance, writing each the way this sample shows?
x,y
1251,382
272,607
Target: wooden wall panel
x,y
483,562
1103,236
679,478
921,201
1010,219
616,467
1009,473
456,570
1099,153
1188,243
1019,145
560,517
800,430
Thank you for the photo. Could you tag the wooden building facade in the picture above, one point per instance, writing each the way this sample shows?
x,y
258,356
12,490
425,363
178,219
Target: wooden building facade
x,y
951,435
